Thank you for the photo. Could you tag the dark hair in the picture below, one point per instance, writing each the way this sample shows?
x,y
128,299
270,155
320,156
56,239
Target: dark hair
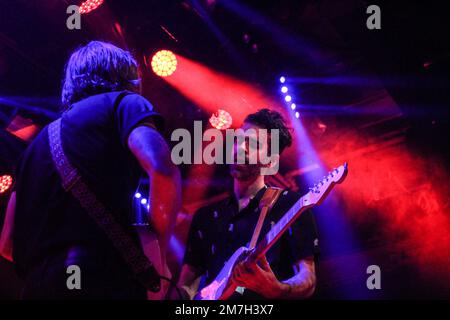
x,y
98,67
269,119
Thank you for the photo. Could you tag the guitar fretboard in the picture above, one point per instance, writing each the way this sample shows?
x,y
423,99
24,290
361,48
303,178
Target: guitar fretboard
x,y
314,197
282,225
284,222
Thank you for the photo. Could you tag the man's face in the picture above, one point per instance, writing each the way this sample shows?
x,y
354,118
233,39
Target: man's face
x,y
252,146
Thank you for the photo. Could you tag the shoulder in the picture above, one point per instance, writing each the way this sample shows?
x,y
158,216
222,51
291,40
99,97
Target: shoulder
x,y
117,99
135,99
134,107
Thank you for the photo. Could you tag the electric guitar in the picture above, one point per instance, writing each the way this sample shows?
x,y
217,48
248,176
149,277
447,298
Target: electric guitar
x,y
222,287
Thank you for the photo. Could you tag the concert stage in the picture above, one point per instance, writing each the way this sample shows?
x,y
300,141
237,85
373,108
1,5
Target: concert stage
x,y
356,83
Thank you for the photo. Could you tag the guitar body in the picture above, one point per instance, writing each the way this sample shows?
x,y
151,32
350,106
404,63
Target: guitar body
x,y
222,287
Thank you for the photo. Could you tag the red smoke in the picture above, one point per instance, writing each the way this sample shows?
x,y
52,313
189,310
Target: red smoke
x,y
212,90
404,193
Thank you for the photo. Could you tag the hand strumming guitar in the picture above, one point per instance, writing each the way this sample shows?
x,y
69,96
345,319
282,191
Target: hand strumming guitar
x,y
259,277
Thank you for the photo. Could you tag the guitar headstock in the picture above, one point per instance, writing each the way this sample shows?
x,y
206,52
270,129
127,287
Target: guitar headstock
x,y
317,193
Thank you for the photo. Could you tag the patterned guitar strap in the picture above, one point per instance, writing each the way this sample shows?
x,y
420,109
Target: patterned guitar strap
x,y
72,182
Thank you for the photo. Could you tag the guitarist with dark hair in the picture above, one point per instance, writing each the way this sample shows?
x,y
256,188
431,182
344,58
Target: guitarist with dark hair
x,y
288,270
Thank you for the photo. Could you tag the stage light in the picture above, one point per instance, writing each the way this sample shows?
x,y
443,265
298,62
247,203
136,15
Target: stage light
x,y
5,183
284,89
89,5
164,63
137,195
293,106
297,115
282,79
221,120
288,98
144,201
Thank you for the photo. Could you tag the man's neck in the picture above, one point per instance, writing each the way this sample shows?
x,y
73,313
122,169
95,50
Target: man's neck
x,y
244,190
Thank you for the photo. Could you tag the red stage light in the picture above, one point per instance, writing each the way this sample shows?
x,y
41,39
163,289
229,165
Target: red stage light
x,y
5,183
221,120
164,63
90,5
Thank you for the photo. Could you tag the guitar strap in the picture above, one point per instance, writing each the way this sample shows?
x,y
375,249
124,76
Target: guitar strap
x,y
265,205
72,182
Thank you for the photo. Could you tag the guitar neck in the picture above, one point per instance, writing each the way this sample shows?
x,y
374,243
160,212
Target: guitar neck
x,y
281,226
314,197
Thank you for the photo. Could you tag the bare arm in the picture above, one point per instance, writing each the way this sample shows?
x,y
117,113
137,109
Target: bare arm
x,y
6,238
153,154
189,281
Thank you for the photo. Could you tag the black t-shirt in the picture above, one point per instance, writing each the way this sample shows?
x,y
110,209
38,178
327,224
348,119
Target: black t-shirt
x,y
218,230
94,137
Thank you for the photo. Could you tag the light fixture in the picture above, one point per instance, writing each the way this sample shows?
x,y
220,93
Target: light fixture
x,y
164,63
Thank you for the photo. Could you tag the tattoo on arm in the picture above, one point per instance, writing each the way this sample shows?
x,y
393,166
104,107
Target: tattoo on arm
x,y
303,284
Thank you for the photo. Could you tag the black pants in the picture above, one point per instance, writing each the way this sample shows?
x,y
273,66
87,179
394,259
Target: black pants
x,y
103,275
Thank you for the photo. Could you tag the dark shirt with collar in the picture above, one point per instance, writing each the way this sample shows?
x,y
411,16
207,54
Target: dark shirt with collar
x,y
49,221
218,230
